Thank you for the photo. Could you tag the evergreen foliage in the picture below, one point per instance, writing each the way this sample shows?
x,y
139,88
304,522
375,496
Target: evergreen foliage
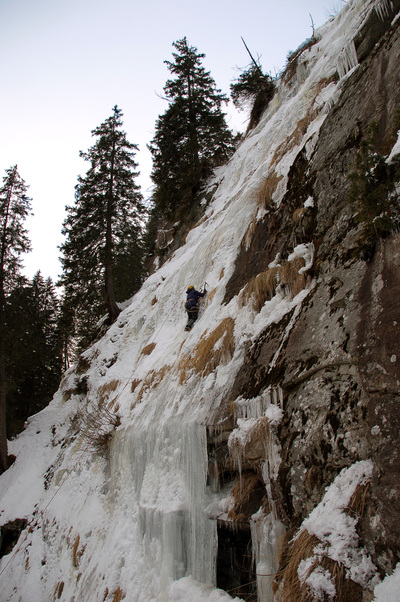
x,y
253,87
15,206
191,137
249,84
103,250
33,350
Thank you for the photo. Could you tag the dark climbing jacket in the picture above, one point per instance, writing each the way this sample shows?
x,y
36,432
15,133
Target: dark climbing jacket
x,y
192,299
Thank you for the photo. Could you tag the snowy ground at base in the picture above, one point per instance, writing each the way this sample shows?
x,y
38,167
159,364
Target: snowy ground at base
x,y
186,589
137,523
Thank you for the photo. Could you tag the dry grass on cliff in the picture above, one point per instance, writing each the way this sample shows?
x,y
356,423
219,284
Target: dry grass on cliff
x,y
97,427
296,136
59,590
118,595
105,390
290,277
356,505
147,349
265,193
298,215
242,493
77,552
151,381
262,288
287,585
104,393
134,384
210,351
264,198
210,295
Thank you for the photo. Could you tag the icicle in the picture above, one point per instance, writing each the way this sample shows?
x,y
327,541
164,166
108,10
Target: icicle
x,y
347,59
280,390
383,8
164,469
266,532
246,409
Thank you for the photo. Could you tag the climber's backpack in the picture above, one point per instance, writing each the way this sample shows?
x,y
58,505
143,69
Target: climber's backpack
x,y
191,305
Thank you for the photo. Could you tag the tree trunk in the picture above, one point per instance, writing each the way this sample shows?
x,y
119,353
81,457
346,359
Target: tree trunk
x,y
193,136
113,309
3,414
3,407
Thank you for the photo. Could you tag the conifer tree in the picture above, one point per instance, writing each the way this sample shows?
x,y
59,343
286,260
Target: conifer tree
x,y
103,229
14,208
192,137
254,88
33,348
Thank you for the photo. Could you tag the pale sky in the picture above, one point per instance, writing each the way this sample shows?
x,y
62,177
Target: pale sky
x,y
66,63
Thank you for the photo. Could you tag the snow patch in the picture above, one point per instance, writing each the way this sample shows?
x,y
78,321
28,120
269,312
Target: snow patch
x,y
395,150
306,252
336,529
388,590
319,580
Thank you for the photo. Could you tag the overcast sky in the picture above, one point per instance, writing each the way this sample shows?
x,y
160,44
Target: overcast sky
x,y
66,63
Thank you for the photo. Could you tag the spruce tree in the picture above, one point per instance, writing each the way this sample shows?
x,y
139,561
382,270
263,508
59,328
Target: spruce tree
x,y
14,208
254,88
192,137
33,348
103,230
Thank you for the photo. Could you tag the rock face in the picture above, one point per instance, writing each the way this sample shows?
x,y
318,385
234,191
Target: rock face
x,y
337,362
168,461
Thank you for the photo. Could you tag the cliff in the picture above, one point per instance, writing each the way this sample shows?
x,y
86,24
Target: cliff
x,y
168,460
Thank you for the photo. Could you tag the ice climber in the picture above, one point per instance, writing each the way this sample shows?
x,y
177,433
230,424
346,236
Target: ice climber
x,y
192,305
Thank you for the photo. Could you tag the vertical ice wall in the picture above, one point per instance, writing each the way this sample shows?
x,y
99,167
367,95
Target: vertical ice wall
x,y
164,469
266,529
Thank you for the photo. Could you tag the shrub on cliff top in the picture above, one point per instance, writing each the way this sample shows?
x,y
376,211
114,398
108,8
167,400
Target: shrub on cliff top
x,y
255,87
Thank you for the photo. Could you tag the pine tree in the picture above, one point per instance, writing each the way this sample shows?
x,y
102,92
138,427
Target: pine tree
x,y
14,208
33,348
254,88
192,137
103,230
252,83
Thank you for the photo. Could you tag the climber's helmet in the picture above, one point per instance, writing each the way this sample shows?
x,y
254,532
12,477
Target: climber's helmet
x,y
189,288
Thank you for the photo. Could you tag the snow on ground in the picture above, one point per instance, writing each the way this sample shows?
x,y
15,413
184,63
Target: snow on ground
x,y
137,524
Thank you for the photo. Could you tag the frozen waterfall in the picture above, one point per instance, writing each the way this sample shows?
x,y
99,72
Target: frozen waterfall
x,y
163,469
